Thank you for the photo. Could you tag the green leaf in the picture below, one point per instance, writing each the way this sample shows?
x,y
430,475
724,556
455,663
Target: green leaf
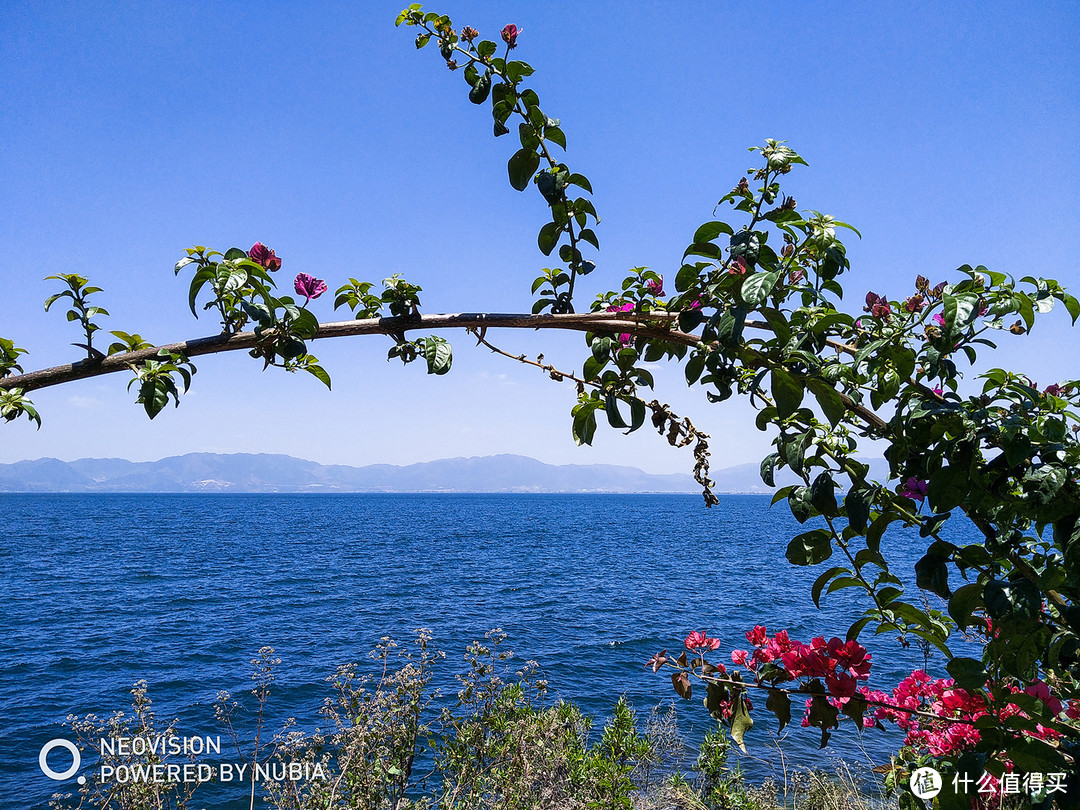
x,y
319,373
787,392
584,424
581,181
741,721
715,697
810,548
154,395
548,238
822,494
768,466
710,230
947,489
968,673
756,287
555,135
611,408
780,705
521,167
823,580
829,400
439,355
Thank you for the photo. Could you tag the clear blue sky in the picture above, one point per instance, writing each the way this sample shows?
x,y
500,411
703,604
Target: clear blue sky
x,y
946,132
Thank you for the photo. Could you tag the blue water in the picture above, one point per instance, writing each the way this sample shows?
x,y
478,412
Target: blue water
x,y
182,590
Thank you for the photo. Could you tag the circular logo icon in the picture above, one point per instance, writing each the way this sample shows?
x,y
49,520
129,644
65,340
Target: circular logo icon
x,y
43,759
925,783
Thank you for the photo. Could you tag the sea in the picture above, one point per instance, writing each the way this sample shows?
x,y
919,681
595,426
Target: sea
x,y
100,591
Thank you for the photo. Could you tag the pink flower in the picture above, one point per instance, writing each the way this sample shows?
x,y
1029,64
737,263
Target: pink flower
x,y
914,488
698,640
739,268
757,636
309,286
739,657
510,35
1041,691
655,287
914,304
939,319
624,338
939,391
795,276
877,305
657,661
263,255
1054,390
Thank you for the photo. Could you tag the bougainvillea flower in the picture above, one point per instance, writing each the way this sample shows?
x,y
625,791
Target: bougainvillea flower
x,y
739,267
655,287
309,286
914,488
510,34
877,305
757,636
263,255
740,657
657,661
914,304
698,640
1054,390
624,338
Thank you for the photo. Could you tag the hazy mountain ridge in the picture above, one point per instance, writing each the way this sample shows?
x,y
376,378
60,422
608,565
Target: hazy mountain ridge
x,y
264,472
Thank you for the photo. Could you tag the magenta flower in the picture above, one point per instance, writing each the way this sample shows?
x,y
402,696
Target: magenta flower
x,y
624,338
914,304
877,305
914,488
698,640
309,286
796,275
655,287
757,636
510,35
263,255
739,268
939,319
1054,390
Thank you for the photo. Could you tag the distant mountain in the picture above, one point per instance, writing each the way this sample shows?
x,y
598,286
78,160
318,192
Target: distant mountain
x,y
246,472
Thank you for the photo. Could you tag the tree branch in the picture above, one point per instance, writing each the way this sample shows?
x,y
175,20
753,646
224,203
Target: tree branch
x,y
583,322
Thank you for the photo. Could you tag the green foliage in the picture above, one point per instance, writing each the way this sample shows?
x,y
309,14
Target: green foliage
x,y
157,381
79,291
14,403
499,79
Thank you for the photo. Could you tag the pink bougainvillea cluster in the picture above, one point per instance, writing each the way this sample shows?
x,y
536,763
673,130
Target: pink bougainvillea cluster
x,y
938,716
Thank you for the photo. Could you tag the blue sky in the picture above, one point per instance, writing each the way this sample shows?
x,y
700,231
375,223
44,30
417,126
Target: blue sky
x,y
128,132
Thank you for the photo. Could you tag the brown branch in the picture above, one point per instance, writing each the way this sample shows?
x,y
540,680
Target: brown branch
x,y
582,322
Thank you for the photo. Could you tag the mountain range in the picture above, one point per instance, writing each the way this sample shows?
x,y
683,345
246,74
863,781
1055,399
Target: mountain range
x,y
246,472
